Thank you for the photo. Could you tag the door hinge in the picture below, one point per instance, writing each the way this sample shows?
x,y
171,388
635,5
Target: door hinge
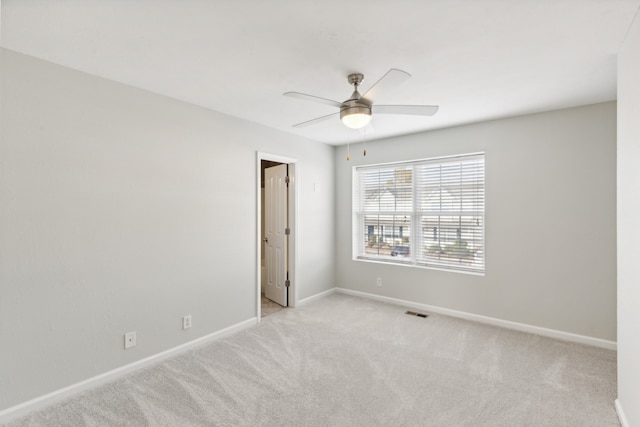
x,y
287,231
287,283
287,179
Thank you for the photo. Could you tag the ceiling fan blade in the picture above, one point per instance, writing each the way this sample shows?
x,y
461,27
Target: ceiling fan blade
x,y
412,110
313,98
393,78
316,120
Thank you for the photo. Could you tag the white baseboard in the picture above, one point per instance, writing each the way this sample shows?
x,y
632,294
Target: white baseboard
x,y
24,408
316,296
621,416
551,333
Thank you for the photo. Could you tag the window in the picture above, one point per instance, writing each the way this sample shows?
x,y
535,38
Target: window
x,y
426,212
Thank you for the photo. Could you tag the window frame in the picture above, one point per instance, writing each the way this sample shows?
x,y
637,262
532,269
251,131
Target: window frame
x,y
454,261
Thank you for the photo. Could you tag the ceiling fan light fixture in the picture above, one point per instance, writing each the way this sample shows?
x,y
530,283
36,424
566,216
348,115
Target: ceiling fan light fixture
x,y
355,117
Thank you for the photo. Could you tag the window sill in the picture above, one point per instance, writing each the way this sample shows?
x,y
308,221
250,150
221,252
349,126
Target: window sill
x,y
421,266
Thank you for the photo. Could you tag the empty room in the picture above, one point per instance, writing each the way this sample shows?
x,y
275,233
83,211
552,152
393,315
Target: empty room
x,y
358,213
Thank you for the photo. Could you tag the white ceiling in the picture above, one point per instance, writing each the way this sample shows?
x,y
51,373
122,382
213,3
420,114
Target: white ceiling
x,y
478,60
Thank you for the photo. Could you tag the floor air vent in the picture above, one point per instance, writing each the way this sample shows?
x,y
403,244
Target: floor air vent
x,y
414,313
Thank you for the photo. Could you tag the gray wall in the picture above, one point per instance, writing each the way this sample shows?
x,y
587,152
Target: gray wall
x,y
122,210
628,226
550,221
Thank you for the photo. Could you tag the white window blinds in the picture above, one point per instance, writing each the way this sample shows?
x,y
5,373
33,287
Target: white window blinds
x,y
427,212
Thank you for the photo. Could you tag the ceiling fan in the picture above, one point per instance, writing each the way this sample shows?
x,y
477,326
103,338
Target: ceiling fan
x,y
356,111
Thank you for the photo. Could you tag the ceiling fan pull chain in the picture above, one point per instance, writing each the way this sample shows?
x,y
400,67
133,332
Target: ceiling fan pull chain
x,y
364,142
348,150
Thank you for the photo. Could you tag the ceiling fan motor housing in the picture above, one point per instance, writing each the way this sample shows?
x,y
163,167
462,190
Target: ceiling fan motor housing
x,y
355,106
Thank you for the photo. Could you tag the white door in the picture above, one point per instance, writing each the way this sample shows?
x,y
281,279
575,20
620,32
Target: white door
x,y
275,223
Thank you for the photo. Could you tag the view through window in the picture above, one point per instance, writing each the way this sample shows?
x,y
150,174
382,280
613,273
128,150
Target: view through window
x,y
425,212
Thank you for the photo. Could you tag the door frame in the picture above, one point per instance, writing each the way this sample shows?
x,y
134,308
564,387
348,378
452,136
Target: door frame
x,y
292,213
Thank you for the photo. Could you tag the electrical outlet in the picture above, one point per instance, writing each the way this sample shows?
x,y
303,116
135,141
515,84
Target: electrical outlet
x,y
186,322
129,340
379,281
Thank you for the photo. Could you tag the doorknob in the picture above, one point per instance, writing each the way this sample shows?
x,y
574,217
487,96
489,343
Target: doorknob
x,y
266,240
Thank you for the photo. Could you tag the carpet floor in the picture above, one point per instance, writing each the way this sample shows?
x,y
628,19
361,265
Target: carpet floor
x,y
346,361
268,307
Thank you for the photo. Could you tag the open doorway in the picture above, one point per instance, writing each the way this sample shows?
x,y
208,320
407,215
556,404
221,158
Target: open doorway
x,y
276,233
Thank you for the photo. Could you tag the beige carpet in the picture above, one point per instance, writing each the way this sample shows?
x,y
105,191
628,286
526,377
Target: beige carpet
x,y
344,361
268,307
